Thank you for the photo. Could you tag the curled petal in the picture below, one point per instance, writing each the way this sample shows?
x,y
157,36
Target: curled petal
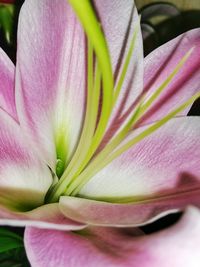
x,y
177,246
131,214
47,216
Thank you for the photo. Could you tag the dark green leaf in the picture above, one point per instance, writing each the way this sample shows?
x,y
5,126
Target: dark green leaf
x,y
9,240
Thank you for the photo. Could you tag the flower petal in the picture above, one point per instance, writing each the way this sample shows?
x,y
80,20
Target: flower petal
x,y
46,216
119,21
168,159
131,214
7,98
158,174
50,76
51,79
161,62
24,180
177,246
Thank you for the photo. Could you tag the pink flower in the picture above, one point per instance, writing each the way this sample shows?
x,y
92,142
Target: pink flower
x,y
78,153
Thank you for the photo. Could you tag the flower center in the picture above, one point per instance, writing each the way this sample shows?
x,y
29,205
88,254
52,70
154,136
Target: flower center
x,y
89,158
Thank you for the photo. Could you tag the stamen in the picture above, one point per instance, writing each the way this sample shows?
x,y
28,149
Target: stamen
x,y
73,174
126,65
84,164
90,117
166,82
94,33
79,159
100,162
117,91
99,136
86,15
141,108
89,125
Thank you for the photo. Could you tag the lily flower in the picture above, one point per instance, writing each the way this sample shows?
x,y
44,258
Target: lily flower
x,y
92,134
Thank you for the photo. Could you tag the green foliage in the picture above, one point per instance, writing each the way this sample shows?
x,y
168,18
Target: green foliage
x,y
12,252
9,240
6,21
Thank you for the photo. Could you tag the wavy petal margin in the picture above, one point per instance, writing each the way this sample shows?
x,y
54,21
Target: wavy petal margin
x,y
177,246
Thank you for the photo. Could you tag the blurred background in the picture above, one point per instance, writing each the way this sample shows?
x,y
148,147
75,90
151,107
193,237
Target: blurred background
x,y
160,22
182,4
